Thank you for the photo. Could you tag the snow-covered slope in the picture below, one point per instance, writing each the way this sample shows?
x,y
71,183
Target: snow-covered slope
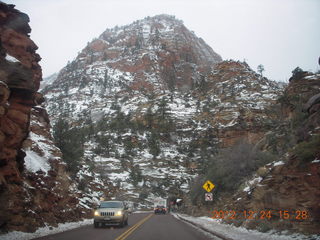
x,y
153,102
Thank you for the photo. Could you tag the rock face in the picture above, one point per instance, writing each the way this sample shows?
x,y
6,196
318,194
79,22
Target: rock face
x,y
291,185
35,189
20,77
301,99
153,101
245,101
153,53
168,50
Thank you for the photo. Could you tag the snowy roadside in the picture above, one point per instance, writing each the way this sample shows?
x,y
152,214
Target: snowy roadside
x,y
62,227
239,233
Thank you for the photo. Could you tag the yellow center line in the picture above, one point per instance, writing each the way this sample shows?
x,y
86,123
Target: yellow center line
x,y
133,228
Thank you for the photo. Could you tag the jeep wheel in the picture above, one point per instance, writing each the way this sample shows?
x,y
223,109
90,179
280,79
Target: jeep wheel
x,y
121,224
126,222
96,225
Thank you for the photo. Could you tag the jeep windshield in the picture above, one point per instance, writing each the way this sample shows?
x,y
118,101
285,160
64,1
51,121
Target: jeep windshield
x,y
111,205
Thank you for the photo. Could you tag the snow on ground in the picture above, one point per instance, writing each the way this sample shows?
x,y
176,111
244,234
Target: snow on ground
x,y
240,233
278,163
34,162
62,227
250,183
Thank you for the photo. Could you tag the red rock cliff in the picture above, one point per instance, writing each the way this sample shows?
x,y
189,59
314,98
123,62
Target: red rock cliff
x,y
30,196
291,187
20,76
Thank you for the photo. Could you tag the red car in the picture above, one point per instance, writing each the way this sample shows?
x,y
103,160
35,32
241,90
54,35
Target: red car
x,y
160,209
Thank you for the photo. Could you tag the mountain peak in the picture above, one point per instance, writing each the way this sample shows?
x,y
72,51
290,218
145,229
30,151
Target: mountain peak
x,y
161,18
159,33
155,53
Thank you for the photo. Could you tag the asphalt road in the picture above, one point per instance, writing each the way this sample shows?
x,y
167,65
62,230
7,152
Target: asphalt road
x,y
142,226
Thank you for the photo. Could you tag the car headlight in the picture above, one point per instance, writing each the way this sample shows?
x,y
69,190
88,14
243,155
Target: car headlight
x,y
96,213
119,213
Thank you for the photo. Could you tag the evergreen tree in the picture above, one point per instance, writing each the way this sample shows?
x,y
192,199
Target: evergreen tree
x,y
163,108
70,141
154,145
296,70
129,147
136,175
149,117
104,145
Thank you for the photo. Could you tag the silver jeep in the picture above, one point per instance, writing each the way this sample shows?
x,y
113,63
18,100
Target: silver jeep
x,y
111,213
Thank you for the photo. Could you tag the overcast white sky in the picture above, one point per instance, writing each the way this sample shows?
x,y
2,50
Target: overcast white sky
x,y
280,34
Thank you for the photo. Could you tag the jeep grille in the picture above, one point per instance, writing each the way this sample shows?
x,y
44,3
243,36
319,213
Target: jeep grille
x,y
107,213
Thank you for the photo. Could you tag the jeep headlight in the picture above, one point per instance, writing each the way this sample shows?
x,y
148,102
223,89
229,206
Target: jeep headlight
x,y
96,213
119,213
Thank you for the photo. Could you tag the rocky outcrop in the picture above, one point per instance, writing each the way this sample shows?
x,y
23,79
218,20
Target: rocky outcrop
x,y
293,184
301,100
242,111
290,187
35,189
20,76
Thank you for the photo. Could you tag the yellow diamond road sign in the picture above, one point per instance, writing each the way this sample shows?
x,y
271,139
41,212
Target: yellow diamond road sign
x,y
208,186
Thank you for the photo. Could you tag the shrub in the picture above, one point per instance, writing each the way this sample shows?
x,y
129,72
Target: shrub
x,y
297,73
229,169
143,195
231,166
82,185
307,151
